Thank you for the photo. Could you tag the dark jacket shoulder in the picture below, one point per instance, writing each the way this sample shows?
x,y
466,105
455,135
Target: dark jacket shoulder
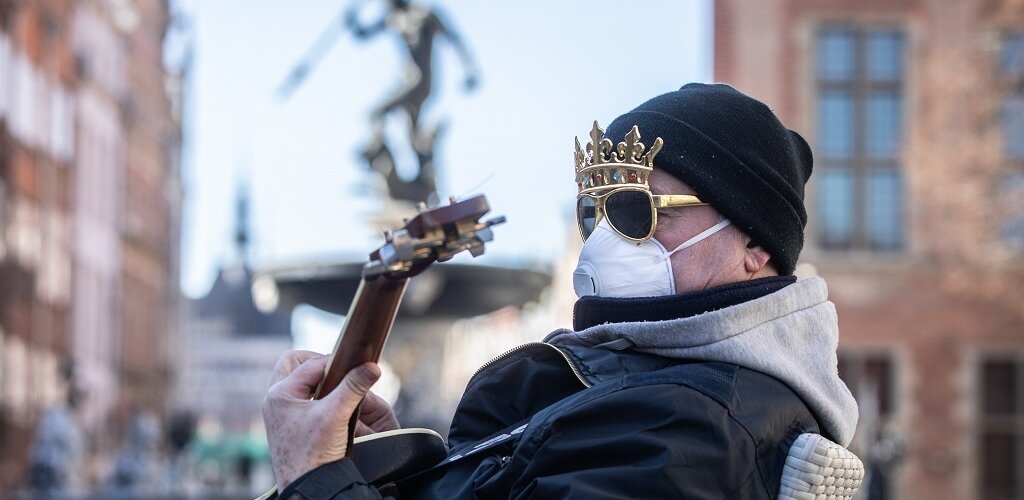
x,y
648,427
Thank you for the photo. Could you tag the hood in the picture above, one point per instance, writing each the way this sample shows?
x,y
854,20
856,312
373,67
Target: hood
x,y
791,334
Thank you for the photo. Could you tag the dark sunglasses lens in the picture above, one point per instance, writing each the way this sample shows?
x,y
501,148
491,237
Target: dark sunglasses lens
x,y
586,215
630,213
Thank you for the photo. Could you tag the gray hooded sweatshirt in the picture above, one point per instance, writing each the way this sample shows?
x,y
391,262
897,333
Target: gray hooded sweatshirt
x,y
791,334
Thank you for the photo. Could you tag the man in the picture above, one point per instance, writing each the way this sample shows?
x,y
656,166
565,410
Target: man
x,y
696,360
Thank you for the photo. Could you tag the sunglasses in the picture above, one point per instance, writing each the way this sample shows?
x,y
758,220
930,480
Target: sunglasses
x,y
632,212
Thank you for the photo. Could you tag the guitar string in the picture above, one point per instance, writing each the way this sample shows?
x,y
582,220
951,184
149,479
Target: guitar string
x,y
477,186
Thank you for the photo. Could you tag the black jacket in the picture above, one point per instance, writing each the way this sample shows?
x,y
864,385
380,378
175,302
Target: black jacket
x,y
646,427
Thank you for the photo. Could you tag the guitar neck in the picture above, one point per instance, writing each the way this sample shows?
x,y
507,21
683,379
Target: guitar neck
x,y
433,235
366,329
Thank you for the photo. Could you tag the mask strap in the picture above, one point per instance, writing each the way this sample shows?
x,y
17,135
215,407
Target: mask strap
x,y
700,236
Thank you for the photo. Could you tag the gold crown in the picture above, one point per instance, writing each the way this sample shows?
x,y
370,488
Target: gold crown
x,y
602,166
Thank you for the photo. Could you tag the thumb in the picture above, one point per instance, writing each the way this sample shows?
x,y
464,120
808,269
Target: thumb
x,y
353,388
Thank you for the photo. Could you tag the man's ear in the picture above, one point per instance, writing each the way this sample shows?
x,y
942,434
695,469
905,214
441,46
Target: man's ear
x,y
755,258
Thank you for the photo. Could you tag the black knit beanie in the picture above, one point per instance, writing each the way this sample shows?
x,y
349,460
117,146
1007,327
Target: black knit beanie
x,y
737,155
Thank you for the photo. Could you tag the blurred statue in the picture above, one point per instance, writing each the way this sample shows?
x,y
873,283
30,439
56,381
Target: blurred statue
x,y
418,27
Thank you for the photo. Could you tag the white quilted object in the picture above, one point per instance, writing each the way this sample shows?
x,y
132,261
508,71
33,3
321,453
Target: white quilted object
x,y
818,469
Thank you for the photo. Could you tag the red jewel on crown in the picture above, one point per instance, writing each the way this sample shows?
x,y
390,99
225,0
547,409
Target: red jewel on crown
x,y
632,177
600,178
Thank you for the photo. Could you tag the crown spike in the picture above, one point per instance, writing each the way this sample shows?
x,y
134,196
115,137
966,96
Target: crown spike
x,y
599,147
581,157
596,133
655,148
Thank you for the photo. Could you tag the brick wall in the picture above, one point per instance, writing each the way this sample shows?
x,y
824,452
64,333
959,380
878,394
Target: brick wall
x,y
88,218
951,293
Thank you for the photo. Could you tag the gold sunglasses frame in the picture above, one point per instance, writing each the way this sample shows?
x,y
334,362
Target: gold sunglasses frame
x,y
657,201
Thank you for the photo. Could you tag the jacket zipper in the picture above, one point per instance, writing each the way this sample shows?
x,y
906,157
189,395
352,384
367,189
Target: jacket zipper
x,y
514,350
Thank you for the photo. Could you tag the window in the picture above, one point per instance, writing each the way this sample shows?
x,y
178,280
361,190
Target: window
x,y
1000,459
1011,72
859,135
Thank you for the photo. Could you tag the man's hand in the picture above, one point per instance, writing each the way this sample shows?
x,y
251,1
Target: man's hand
x,y
375,416
305,434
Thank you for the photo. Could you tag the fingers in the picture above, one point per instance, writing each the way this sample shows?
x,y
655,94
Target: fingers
x,y
376,414
301,382
287,363
363,429
375,403
353,388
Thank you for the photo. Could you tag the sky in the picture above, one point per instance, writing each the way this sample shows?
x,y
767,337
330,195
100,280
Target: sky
x,y
548,69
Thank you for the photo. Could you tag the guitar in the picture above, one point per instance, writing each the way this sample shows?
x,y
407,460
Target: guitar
x,y
433,235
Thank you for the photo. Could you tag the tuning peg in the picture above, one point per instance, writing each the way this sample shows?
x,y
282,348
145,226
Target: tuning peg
x,y
484,234
451,200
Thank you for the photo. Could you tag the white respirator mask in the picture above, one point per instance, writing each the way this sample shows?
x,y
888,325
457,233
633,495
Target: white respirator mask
x,y
611,266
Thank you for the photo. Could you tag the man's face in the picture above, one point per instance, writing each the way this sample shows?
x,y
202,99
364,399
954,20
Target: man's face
x,y
720,259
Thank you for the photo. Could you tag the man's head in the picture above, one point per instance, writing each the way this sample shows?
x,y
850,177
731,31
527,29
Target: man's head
x,y
732,153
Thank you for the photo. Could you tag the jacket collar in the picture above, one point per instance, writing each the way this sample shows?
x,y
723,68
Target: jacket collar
x,y
592,310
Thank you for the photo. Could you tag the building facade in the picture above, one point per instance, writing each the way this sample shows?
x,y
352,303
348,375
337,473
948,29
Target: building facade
x,y
89,203
915,112
228,350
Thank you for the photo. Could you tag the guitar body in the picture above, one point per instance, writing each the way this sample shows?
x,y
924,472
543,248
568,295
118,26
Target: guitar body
x,y
385,457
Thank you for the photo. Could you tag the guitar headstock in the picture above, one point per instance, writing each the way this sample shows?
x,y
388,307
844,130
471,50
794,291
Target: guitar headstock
x,y
435,235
